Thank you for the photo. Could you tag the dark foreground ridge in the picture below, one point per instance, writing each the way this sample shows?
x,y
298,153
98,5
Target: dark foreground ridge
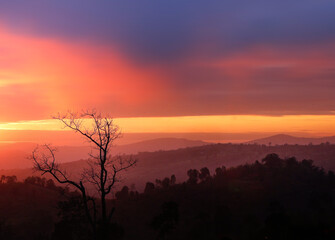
x,y
271,199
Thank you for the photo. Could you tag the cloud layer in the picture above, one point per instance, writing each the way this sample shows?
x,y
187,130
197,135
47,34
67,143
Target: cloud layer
x,y
167,58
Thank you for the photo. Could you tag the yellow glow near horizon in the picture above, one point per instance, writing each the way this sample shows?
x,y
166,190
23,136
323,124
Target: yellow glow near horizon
x,y
314,124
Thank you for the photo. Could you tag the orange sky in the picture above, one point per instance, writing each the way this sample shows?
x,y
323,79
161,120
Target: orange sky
x,y
312,124
40,76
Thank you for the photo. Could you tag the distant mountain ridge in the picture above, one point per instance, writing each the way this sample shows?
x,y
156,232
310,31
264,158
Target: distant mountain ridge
x,y
281,139
160,164
15,155
158,144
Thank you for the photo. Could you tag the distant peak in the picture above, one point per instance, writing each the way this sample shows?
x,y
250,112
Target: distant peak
x,y
282,135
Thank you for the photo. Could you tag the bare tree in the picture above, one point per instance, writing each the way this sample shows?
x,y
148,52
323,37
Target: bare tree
x,y
103,171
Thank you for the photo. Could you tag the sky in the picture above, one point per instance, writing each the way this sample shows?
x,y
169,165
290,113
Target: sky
x,y
226,66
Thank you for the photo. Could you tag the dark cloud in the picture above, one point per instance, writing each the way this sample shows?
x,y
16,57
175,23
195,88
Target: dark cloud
x,y
172,30
174,34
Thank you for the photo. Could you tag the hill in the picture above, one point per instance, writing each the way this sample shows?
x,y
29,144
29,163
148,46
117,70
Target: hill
x,y
272,198
152,165
15,155
269,199
158,144
28,211
282,139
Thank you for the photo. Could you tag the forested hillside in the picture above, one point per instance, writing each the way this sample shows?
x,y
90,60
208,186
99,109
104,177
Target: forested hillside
x,y
152,165
273,198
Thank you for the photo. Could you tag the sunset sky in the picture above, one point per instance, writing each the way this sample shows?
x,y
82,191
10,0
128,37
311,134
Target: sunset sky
x,y
169,66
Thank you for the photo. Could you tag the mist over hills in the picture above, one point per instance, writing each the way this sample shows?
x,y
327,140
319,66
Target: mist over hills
x,y
167,156
157,145
153,165
15,155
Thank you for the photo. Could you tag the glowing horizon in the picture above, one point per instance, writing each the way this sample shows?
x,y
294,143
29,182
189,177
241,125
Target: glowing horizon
x,y
314,124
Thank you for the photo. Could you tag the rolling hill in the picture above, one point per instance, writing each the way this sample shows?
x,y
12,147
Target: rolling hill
x,y
160,164
15,155
158,144
282,139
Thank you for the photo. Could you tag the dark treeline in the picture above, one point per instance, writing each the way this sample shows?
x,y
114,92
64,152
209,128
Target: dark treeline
x,y
230,155
28,210
152,165
269,199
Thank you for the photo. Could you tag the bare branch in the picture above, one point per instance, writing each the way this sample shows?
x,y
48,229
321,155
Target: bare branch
x,y
103,169
45,161
122,164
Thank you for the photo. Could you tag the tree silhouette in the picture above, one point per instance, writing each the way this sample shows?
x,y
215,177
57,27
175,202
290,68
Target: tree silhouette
x,y
193,176
149,187
166,221
123,194
204,174
11,179
273,161
173,179
103,172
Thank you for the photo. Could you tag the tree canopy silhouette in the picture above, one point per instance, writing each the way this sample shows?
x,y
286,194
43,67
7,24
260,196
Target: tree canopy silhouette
x,y
103,171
